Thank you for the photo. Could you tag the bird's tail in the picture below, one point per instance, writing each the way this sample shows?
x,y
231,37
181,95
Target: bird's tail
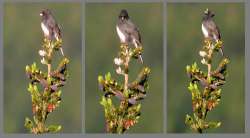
x,y
140,56
221,51
136,43
61,51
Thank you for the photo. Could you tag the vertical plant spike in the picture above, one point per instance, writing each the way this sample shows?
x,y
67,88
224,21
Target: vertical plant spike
x,y
45,88
120,118
205,87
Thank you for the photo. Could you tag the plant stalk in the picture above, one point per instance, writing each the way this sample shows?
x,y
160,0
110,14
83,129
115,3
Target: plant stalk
x,y
126,69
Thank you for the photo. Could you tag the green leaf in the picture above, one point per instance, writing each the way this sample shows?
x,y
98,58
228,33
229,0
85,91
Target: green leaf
x,y
30,88
103,101
65,60
59,93
108,76
126,93
189,120
54,128
190,87
193,88
188,68
33,67
138,107
194,66
35,119
100,79
28,123
214,124
218,44
27,68
196,118
35,89
109,102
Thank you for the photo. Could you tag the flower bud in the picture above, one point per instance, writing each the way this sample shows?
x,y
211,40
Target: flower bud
x,y
118,61
42,53
202,53
203,61
43,61
119,70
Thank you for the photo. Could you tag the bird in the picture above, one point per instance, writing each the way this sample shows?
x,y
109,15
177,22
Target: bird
x,y
127,31
209,29
50,28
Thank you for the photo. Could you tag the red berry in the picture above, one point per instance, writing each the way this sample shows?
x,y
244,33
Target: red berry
x,y
51,107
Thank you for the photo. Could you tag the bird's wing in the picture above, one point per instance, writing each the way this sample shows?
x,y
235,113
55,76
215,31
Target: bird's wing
x,y
132,30
211,27
218,31
51,23
58,30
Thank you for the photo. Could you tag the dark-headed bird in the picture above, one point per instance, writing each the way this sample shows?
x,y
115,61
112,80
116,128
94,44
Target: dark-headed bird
x,y
50,28
209,29
127,31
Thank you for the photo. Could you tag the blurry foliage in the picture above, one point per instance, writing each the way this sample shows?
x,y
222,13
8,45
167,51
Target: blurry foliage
x,y
182,48
22,31
120,118
101,39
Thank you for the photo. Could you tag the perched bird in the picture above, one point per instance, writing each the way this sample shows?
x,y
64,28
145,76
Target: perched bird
x,y
50,28
128,31
209,29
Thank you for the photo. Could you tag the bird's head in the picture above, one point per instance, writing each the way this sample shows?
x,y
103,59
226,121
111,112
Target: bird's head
x,y
45,13
208,13
123,15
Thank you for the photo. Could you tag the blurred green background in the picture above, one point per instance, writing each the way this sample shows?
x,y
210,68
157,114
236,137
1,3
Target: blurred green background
x,y
22,40
102,46
184,40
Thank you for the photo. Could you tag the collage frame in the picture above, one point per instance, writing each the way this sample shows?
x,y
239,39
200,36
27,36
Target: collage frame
x,y
141,135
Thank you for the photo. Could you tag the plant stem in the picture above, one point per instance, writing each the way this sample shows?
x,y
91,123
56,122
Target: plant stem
x,y
209,72
126,64
41,125
49,69
209,65
49,59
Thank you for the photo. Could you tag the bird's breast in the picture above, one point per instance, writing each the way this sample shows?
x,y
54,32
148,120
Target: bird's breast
x,y
204,30
45,29
121,35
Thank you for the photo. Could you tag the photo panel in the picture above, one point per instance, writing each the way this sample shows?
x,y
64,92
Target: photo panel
x,y
42,67
139,107
205,88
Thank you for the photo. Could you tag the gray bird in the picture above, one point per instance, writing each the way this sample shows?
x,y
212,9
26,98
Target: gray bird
x,y
127,31
209,29
50,28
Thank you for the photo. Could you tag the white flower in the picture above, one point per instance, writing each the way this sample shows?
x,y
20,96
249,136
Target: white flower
x,y
43,61
203,61
202,53
118,61
119,70
42,53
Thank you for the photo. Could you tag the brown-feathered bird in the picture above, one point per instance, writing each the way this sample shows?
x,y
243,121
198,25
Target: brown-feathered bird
x,y
50,28
209,29
127,31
